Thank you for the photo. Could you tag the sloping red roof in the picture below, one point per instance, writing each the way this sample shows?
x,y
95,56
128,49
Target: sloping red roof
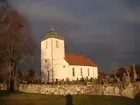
x,y
79,60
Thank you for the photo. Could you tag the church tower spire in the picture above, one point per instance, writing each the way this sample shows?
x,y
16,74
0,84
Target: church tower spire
x,y
52,34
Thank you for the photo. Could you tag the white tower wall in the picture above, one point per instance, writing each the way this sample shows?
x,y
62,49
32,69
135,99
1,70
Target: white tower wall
x,y
52,52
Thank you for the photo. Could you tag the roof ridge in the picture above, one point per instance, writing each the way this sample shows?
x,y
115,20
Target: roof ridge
x,y
74,59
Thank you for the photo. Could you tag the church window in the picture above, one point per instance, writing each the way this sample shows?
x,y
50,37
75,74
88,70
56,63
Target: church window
x,y
81,72
73,71
88,72
48,75
57,44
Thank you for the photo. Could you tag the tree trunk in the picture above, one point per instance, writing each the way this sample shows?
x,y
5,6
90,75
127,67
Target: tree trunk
x,y
11,81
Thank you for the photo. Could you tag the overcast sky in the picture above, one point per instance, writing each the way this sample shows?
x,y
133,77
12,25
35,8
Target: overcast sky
x,y
107,31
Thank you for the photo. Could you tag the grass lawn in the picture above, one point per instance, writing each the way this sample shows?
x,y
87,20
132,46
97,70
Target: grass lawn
x,y
18,98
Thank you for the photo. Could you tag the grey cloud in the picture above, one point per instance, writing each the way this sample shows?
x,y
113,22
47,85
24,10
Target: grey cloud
x,y
105,30
39,11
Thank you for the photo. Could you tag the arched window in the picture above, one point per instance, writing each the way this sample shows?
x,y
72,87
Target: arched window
x,y
88,72
81,72
57,44
73,72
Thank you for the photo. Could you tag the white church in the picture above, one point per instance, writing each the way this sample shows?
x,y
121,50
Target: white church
x,y
57,65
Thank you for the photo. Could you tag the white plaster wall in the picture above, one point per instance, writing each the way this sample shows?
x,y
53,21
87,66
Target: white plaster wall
x,y
46,52
58,53
61,69
95,72
52,49
92,72
53,55
46,55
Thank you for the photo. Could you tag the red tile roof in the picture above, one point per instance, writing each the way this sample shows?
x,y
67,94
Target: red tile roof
x,y
79,60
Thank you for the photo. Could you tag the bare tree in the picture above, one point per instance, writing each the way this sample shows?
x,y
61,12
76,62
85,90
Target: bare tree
x,y
45,68
15,42
31,75
126,76
127,69
115,70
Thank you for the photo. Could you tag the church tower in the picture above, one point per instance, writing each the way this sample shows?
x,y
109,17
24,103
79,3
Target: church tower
x,y
52,51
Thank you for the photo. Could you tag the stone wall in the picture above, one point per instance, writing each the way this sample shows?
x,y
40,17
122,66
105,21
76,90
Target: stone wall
x,y
72,89
115,89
